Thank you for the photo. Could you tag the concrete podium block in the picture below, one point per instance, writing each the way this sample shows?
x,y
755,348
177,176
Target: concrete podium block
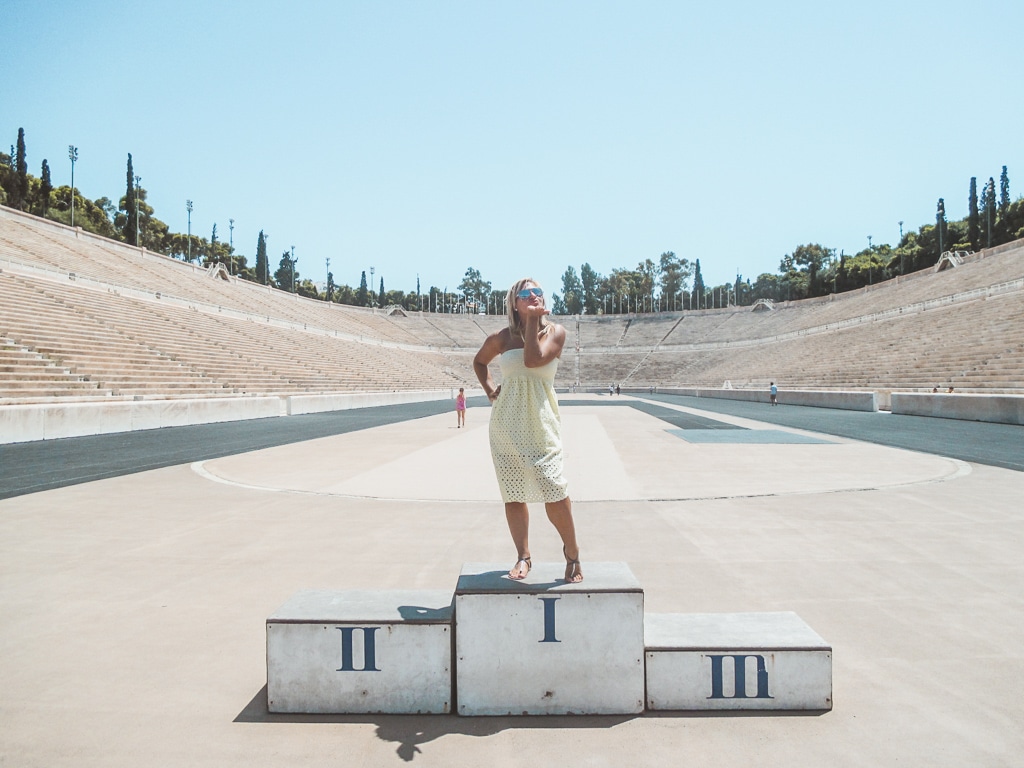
x,y
756,661
361,652
541,646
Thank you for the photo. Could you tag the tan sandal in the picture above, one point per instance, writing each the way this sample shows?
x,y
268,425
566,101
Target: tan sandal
x,y
529,567
573,572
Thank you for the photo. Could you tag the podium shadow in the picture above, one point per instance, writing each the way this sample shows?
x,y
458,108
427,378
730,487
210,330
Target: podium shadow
x,y
410,732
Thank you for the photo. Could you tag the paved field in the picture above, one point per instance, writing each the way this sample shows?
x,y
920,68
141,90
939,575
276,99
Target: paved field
x,y
133,606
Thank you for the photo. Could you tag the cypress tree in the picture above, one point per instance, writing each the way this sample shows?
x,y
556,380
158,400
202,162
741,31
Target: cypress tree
x,y
45,188
698,283
380,298
131,214
21,174
363,293
1004,192
973,219
261,259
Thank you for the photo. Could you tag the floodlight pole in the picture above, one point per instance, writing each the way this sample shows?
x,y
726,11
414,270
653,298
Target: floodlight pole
x,y
72,155
138,240
188,207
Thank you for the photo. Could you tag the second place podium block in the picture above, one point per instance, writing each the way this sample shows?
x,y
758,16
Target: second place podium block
x,y
361,651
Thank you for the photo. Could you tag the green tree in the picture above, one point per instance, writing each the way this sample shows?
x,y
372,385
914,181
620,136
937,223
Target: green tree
x,y
496,302
129,220
474,287
156,235
572,292
363,294
842,273
646,272
91,216
1004,192
45,188
590,283
674,274
765,287
218,252
811,258
381,296
698,286
285,275
1013,221
307,288
6,175
19,198
261,259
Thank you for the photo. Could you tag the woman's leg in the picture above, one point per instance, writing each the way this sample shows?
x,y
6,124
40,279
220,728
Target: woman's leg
x,y
560,515
518,516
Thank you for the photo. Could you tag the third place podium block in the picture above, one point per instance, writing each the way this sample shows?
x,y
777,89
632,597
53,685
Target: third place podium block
x,y
541,646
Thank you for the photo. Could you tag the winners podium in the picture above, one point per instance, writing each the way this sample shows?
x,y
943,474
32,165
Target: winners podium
x,y
538,646
543,647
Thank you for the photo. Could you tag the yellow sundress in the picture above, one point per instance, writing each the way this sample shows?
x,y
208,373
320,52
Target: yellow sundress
x,y
525,432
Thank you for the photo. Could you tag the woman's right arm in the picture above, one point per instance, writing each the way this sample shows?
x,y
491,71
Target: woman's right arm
x,y
493,346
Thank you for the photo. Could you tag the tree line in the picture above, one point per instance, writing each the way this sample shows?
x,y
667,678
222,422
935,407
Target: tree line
x,y
675,283
670,283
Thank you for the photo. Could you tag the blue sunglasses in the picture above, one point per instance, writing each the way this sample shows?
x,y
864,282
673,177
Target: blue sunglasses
x,y
528,292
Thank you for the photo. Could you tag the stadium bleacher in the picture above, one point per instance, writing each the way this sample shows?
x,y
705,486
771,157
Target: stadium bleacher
x,y
82,317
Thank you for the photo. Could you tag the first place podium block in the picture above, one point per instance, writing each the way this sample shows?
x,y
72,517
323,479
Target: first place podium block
x,y
361,652
541,646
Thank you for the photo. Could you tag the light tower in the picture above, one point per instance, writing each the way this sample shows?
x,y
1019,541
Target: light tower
x,y
73,156
138,229
188,207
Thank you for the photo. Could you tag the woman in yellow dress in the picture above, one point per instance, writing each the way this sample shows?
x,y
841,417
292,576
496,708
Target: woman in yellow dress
x,y
525,429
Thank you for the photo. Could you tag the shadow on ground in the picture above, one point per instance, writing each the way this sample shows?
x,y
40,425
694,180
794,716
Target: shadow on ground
x,y
410,732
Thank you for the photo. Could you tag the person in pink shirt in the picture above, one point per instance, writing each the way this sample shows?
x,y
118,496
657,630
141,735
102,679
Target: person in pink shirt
x,y
460,407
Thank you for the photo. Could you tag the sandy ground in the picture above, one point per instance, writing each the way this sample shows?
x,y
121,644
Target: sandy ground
x,y
133,609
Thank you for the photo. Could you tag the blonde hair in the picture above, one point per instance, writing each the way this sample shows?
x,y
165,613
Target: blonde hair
x,y
515,324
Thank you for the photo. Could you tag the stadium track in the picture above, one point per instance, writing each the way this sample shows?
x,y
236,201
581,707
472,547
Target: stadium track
x,y
44,465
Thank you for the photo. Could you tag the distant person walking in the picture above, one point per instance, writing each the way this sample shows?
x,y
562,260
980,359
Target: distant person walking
x,y
774,394
460,407
525,428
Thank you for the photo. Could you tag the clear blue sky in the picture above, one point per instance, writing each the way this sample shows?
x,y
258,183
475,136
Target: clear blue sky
x,y
521,137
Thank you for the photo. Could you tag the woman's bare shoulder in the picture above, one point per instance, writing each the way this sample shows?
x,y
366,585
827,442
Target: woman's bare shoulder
x,y
502,336
557,331
495,344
